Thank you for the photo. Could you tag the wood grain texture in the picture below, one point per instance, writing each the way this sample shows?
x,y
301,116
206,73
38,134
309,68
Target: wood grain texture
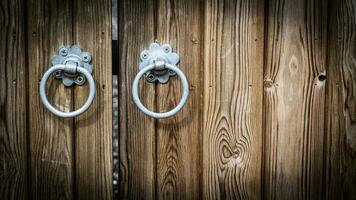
x,y
294,95
137,131
51,138
340,182
13,104
93,129
233,77
180,23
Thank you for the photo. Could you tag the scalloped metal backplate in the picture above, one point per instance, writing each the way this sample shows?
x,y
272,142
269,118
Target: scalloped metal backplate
x,y
72,55
158,52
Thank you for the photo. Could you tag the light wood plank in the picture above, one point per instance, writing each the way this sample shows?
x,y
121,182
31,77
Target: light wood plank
x,y
233,85
294,96
341,102
137,131
51,138
93,129
13,102
180,23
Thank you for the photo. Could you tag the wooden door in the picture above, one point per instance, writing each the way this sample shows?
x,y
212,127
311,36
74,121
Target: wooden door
x,y
271,111
43,156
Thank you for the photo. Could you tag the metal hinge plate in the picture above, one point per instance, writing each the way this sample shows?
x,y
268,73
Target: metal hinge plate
x,y
155,53
72,56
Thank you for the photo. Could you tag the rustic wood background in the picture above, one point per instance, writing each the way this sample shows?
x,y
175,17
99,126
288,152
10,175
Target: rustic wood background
x,y
272,106
271,112
43,156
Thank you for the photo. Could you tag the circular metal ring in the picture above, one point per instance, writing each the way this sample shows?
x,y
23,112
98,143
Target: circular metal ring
x,y
165,114
52,109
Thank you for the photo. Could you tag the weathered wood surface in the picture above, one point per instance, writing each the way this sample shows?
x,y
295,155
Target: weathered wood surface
x,y
93,129
232,128
294,95
175,151
51,138
13,104
137,131
271,113
66,159
340,160
178,139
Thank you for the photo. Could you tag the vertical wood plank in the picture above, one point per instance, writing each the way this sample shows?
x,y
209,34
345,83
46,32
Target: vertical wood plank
x,y
233,85
180,23
93,129
13,102
137,131
51,138
340,159
294,95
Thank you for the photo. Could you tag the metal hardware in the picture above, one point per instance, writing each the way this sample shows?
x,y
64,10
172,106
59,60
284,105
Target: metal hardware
x,y
72,66
157,54
72,55
159,64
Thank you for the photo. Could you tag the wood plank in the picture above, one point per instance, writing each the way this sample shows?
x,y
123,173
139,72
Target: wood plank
x,y
13,102
137,131
233,85
294,95
51,138
93,129
180,23
341,102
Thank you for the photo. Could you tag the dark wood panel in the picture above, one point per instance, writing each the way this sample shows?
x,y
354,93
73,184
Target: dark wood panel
x,y
93,129
294,95
51,138
13,85
340,181
180,23
233,85
137,131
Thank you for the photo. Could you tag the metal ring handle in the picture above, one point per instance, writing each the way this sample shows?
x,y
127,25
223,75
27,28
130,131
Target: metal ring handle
x,y
52,109
165,114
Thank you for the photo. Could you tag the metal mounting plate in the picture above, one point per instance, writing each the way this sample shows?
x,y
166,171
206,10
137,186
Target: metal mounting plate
x,y
157,52
72,55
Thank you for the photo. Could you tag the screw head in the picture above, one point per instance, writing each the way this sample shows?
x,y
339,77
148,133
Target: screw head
x,y
150,77
144,55
166,48
63,51
80,80
86,57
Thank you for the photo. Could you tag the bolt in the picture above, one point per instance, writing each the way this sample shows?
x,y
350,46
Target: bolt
x,y
151,77
86,57
166,49
63,51
80,79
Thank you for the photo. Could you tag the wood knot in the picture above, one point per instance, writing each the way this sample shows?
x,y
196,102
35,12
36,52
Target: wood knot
x,y
194,40
268,83
322,77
